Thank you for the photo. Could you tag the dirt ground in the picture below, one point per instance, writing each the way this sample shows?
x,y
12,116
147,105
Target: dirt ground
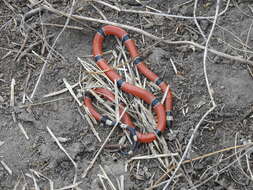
x,y
36,161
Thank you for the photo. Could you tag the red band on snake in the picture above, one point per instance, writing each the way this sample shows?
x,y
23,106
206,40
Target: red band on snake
x,y
163,112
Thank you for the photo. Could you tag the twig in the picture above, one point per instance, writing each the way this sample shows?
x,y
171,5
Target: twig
x,y
99,11
196,21
206,51
1,143
73,186
108,179
248,113
16,185
202,157
250,71
23,130
12,51
67,154
12,97
51,183
62,26
102,181
108,5
174,66
12,104
9,6
153,156
28,49
246,44
6,167
188,146
122,182
160,184
239,161
210,94
165,94
50,52
147,6
42,103
101,148
25,86
68,86
92,127
239,59
220,171
32,13
64,89
22,47
157,13
36,186
248,166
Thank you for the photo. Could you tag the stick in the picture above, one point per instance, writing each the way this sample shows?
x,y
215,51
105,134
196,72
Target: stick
x,y
67,154
196,21
50,52
153,156
6,167
101,148
92,127
221,171
68,86
159,13
210,94
62,26
23,130
64,89
12,101
1,143
239,59
200,158
206,51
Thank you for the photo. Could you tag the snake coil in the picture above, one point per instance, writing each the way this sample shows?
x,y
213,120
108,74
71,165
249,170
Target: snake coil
x,y
163,112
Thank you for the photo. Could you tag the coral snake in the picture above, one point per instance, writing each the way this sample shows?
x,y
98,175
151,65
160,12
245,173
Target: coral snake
x,y
163,112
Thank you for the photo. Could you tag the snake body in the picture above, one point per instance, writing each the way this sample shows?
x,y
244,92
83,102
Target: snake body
x,y
163,112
